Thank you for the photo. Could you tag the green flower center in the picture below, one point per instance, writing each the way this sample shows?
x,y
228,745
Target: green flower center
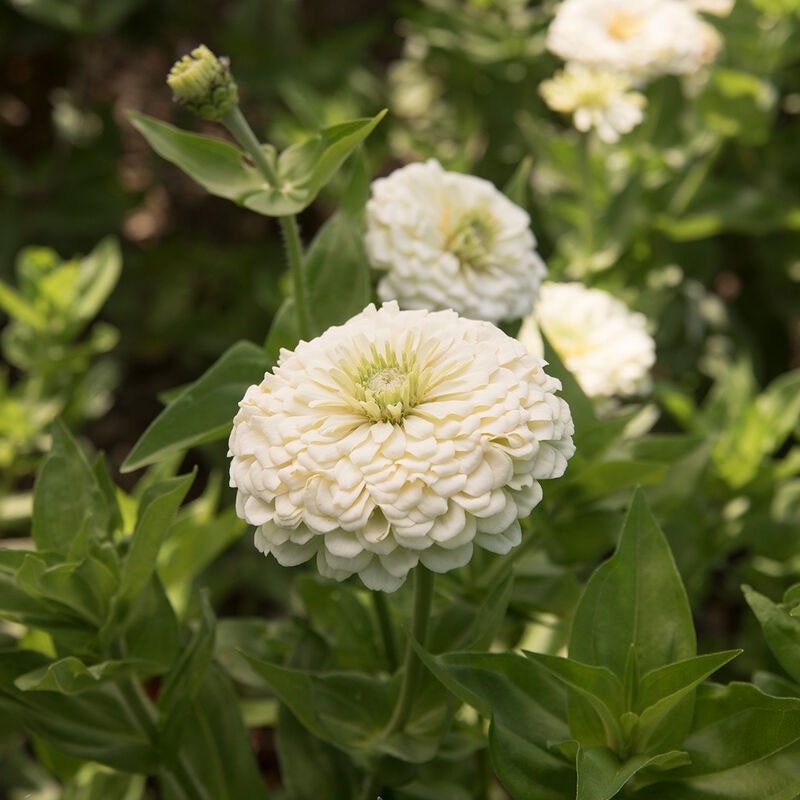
x,y
387,389
472,238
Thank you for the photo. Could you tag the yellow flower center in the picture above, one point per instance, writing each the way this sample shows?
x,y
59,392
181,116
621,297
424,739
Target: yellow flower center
x,y
472,237
624,25
387,389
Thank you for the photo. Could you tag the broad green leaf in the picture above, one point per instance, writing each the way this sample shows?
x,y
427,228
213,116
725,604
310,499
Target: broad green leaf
x,y
151,628
347,710
601,775
602,478
220,168
736,725
332,776
156,512
75,17
66,495
520,694
634,601
662,689
71,676
781,630
529,770
85,587
600,687
305,168
338,613
215,750
181,684
95,725
205,410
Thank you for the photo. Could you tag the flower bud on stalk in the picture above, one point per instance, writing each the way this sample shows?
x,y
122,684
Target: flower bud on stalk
x,y
204,84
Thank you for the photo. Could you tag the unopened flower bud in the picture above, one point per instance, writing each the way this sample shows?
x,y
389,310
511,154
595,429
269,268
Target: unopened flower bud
x,y
204,84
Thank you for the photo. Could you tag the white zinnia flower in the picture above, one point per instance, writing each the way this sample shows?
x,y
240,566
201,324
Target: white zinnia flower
x,y
446,240
642,39
399,437
601,341
596,99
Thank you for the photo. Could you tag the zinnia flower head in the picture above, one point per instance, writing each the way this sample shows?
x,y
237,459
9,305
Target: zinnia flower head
x,y
641,39
596,99
447,240
602,342
398,438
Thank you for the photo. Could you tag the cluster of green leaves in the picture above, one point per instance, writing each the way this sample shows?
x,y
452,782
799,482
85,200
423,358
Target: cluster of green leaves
x,y
629,710
108,672
52,342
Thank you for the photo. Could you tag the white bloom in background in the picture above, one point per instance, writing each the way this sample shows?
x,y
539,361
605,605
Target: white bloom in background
x,y
719,8
642,39
596,99
400,437
601,341
447,240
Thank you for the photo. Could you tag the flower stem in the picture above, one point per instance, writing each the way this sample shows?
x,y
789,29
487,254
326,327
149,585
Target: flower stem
x,y
412,666
586,195
385,626
240,129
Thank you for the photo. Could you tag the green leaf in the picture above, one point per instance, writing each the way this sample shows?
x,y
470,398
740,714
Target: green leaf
x,y
71,676
346,710
600,687
98,274
516,190
736,725
215,749
331,776
205,410
85,587
66,495
601,775
520,694
529,770
781,629
661,690
305,168
220,168
95,725
17,307
156,511
181,684
635,602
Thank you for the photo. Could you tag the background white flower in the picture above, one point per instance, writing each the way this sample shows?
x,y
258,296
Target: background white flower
x,y
642,39
596,99
601,341
446,240
719,8
400,437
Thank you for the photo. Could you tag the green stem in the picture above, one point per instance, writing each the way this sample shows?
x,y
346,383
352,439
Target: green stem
x,y
294,253
693,179
386,629
586,195
369,788
240,129
412,666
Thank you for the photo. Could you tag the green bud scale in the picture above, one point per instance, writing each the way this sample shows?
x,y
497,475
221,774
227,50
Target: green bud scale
x,y
204,84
